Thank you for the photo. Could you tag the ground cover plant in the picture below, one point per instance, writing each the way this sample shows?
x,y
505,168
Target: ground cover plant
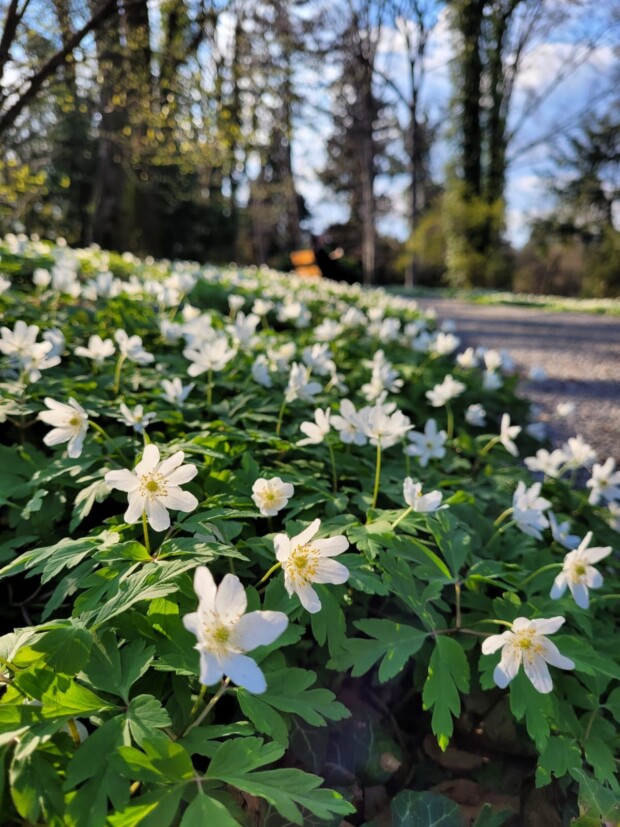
x,y
276,552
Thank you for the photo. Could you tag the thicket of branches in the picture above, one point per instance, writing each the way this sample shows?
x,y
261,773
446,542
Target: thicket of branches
x,y
173,128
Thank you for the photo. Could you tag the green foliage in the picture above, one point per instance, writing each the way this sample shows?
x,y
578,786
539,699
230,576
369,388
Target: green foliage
x,y
103,719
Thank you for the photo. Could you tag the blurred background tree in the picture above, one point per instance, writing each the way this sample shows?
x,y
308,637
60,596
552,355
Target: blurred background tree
x,y
224,130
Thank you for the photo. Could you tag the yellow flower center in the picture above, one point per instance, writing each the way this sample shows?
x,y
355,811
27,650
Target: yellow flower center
x,y
153,485
580,570
302,566
74,421
221,634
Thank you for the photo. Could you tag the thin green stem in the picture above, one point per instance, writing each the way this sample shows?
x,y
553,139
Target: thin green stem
x,y
542,569
497,533
334,471
399,520
375,493
269,573
199,700
210,387
145,528
450,421
503,516
108,439
280,417
457,597
208,707
489,445
117,374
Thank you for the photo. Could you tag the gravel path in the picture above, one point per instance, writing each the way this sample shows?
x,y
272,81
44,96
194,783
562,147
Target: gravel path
x,y
579,352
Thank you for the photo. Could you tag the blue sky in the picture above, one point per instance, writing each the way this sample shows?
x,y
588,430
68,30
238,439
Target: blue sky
x,y
570,63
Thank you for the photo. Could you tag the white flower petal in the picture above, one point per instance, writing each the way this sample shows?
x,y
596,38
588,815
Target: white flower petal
x,y
210,669
181,475
552,655
169,464
538,672
205,588
494,642
158,517
230,600
548,625
259,629
595,555
149,460
135,508
309,599
57,436
306,535
508,667
191,621
330,571
580,595
282,546
122,480
594,579
245,672
331,546
179,500
559,586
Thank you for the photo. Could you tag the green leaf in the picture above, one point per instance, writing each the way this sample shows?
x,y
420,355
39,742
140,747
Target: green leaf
x,y
329,624
392,643
144,714
526,702
288,690
67,648
488,817
559,757
601,758
263,716
595,800
453,538
448,674
206,810
160,760
35,788
158,808
286,789
413,809
586,658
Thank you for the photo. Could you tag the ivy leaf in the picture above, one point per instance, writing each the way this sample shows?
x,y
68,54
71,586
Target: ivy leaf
x,y
392,643
448,674
413,809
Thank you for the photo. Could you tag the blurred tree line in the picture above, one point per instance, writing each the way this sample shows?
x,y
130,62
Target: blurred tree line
x,y
169,129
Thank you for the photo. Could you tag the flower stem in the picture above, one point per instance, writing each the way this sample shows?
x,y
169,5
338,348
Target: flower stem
x,y
503,516
147,543
199,700
450,421
117,374
534,574
269,573
334,471
208,707
280,417
210,387
398,520
489,445
375,492
457,597
107,438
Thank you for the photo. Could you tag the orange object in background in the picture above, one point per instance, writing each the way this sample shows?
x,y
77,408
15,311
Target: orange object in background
x,y
305,264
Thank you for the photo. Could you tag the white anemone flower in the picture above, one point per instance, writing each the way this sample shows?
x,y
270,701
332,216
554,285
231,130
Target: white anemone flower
x,y
547,462
70,425
561,533
476,415
175,391
383,424
491,380
260,371
604,482
154,487
306,561
467,359
316,431
225,632
271,496
348,424
98,349
136,419
526,643
578,572
300,385
131,348
212,355
528,507
578,452
427,445
507,433
419,502
445,391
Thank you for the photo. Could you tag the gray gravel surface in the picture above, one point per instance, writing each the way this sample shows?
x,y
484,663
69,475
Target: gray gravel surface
x,y
579,352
